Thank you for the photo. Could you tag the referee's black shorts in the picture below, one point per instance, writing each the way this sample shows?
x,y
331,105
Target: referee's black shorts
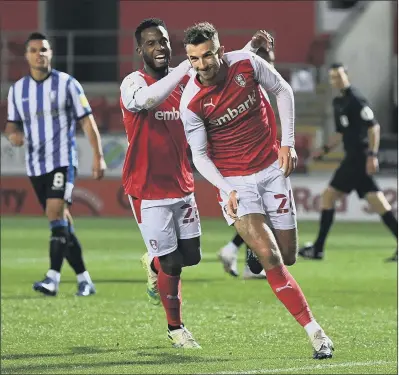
x,y
57,184
351,175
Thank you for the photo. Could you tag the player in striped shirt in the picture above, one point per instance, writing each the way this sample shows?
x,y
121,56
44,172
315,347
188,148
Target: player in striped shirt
x,y
44,108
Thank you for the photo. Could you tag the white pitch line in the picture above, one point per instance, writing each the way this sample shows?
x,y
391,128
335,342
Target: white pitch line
x,y
307,368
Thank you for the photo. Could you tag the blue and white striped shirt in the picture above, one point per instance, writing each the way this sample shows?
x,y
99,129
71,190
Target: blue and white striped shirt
x,y
49,111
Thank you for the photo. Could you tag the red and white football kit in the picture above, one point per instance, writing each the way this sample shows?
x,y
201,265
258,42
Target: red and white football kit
x,y
231,130
156,174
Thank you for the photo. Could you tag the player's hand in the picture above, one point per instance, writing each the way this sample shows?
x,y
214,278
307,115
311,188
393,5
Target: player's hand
x,y
287,159
99,166
371,165
17,139
232,205
262,39
318,154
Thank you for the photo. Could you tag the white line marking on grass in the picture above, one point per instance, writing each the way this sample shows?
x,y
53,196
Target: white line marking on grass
x,y
308,368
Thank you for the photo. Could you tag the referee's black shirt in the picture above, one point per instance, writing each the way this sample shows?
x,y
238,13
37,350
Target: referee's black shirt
x,y
353,117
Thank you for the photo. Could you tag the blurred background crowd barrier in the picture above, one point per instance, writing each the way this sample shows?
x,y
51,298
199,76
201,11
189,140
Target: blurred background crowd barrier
x,y
94,41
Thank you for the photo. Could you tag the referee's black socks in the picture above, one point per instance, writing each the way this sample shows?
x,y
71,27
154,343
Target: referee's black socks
x,y
326,220
391,222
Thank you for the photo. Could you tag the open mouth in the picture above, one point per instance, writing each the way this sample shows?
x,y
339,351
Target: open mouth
x,y
161,58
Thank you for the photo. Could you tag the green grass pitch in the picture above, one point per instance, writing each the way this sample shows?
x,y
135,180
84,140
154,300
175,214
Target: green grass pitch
x,y
240,324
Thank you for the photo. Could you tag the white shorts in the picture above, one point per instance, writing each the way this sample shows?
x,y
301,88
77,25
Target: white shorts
x,y
163,221
266,192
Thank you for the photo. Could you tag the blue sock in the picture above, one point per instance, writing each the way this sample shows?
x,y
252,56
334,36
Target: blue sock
x,y
58,223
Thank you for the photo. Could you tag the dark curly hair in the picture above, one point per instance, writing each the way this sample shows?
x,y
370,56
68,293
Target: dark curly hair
x,y
145,24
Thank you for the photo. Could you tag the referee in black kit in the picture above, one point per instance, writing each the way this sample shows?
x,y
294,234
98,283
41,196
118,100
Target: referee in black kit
x,y
357,127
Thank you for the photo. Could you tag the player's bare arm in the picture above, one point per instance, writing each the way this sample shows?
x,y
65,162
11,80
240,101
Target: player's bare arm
x,y
14,134
90,128
271,80
137,96
373,134
332,143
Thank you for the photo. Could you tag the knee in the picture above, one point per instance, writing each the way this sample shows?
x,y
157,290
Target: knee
x,y
274,259
172,263
55,211
378,202
190,250
290,259
193,258
327,195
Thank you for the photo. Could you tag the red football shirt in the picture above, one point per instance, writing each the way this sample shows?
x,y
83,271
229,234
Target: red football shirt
x,y
239,121
156,163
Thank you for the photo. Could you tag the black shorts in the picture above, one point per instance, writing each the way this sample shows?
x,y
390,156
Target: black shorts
x,y
56,184
351,175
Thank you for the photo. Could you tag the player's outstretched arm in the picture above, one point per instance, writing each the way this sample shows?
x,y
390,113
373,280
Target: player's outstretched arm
x,y
137,96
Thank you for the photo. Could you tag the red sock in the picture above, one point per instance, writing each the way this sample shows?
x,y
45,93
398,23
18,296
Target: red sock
x,y
169,290
289,293
156,264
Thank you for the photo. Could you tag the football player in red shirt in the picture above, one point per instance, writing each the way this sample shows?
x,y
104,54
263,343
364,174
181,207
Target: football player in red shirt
x,y
231,130
157,176
228,254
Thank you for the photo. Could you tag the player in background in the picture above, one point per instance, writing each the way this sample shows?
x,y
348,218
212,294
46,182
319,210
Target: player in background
x,y
234,146
43,110
228,254
359,131
157,176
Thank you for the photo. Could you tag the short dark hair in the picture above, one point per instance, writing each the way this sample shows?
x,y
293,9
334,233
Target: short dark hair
x,y
145,24
35,36
338,65
200,33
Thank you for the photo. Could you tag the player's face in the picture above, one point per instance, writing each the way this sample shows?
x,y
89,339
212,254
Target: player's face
x,y
338,78
39,54
206,59
155,48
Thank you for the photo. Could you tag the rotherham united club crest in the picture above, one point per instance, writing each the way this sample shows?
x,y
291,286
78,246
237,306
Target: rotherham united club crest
x,y
154,244
240,80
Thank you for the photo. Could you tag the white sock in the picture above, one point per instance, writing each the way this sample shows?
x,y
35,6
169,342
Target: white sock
x,y
312,327
84,277
231,248
56,276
